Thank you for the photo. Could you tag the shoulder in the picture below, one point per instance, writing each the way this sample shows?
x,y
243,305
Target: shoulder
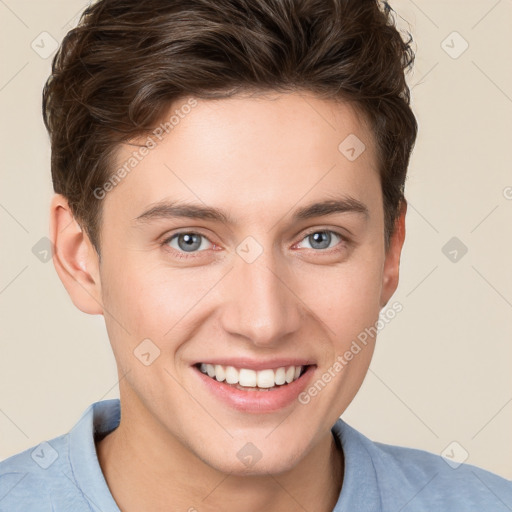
x,y
51,476
435,476
28,479
415,479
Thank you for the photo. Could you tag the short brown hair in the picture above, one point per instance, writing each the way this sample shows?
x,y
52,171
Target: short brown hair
x,y
118,71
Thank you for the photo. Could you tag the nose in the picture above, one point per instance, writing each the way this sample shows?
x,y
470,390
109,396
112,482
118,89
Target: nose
x,y
261,306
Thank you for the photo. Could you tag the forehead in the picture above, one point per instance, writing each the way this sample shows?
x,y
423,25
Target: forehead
x,y
248,152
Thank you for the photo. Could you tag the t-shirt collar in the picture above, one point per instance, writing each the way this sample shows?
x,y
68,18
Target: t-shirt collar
x,y
359,491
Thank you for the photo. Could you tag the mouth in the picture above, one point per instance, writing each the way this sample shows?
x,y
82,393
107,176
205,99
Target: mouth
x,y
255,387
247,379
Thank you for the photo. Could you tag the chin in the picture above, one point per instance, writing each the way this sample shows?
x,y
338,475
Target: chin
x,y
248,460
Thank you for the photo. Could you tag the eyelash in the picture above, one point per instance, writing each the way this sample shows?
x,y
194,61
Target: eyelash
x,y
182,255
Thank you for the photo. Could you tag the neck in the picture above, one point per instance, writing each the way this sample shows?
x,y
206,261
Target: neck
x,y
147,468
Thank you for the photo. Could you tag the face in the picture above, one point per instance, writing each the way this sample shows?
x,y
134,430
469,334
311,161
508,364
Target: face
x,y
214,258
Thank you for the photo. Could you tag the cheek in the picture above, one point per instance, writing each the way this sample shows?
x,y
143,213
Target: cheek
x,y
346,299
150,301
347,302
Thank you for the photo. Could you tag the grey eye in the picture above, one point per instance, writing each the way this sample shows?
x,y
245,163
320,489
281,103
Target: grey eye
x,y
187,242
321,239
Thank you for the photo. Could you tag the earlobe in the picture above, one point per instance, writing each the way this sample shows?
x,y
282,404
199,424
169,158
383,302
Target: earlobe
x,y
75,259
392,260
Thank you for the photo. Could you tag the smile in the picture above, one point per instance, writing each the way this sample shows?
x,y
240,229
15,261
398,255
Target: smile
x,y
252,380
256,387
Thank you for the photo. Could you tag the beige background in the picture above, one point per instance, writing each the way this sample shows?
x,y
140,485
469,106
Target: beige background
x,y
442,368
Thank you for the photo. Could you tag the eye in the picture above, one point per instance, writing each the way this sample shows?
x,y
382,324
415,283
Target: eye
x,y
186,242
322,239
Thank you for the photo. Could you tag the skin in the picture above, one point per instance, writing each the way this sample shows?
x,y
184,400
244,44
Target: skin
x,y
259,159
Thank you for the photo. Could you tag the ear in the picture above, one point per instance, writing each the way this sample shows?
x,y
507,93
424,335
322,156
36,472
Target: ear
x,y
392,259
75,258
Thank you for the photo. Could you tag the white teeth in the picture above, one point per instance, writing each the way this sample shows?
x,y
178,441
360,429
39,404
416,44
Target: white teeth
x,y
250,378
231,375
280,377
220,374
247,378
210,369
266,379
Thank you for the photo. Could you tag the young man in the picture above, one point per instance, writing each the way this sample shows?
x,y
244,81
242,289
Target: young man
x,y
229,181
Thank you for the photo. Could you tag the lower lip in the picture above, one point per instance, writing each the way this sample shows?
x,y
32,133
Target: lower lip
x,y
257,401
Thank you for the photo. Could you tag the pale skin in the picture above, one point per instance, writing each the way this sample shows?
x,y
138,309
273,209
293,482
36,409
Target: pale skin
x,y
258,160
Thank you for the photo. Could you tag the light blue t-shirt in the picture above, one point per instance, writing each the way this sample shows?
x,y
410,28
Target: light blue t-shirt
x,y
64,475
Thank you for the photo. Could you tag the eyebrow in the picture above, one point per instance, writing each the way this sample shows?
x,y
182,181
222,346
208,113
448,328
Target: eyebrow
x,y
175,209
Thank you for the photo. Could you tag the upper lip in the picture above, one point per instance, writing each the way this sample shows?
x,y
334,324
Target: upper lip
x,y
258,364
